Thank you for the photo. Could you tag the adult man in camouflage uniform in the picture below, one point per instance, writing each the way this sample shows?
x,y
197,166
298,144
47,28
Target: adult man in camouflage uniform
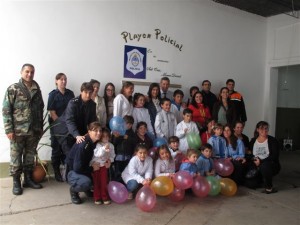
x,y
23,121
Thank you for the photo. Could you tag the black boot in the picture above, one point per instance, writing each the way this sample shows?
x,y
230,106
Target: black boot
x,y
75,197
17,189
28,182
57,173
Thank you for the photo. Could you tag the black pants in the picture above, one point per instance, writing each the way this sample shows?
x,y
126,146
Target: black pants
x,y
239,172
119,168
267,169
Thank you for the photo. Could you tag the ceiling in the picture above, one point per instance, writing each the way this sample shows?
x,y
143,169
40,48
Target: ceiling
x,y
265,8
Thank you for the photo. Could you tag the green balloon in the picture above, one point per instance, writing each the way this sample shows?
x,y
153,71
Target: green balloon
x,y
215,186
193,140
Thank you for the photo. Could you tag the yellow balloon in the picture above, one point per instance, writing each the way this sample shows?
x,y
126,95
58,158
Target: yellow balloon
x,y
228,187
162,185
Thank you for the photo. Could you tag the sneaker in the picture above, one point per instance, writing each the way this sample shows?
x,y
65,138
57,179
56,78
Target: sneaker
x,y
98,202
273,190
106,202
130,196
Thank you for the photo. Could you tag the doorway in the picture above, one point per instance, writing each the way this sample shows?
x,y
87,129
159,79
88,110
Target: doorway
x,y
287,129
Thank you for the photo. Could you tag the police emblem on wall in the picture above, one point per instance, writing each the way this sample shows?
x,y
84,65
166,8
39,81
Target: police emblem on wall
x,y
135,62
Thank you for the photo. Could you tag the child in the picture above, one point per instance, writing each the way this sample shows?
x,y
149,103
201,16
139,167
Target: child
x,y
138,171
104,154
165,121
164,165
189,164
176,105
140,113
173,142
183,128
204,162
142,136
210,123
218,142
124,146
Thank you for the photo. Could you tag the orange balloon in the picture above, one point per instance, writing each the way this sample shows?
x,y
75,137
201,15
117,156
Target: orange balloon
x,y
228,187
162,185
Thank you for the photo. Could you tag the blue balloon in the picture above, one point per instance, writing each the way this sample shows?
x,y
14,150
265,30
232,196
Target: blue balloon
x,y
151,136
117,124
159,142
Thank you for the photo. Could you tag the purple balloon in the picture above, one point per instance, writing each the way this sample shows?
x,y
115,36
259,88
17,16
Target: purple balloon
x,y
152,152
178,160
200,187
223,167
145,199
177,195
117,192
183,179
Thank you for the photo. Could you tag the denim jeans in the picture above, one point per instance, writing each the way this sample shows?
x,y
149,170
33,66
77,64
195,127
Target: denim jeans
x,y
132,185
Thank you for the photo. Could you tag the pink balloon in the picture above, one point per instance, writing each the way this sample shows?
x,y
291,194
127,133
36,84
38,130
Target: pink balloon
x,y
117,192
152,152
177,195
223,167
200,187
183,179
145,199
178,160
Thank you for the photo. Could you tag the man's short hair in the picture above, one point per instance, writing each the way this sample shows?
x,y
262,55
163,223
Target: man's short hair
x,y
230,81
165,78
86,86
178,92
205,82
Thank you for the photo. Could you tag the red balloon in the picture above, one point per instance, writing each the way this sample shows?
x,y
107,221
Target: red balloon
x,y
178,160
152,152
177,195
223,167
183,179
145,199
200,187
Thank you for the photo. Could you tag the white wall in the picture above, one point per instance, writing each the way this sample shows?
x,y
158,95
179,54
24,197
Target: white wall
x,y
283,49
83,40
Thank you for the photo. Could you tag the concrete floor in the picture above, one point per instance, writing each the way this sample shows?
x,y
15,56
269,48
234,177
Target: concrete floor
x,y
52,205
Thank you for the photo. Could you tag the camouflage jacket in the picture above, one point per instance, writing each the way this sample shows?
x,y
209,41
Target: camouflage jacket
x,y
23,110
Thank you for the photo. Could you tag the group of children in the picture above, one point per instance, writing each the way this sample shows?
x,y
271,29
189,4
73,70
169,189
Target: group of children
x,y
134,167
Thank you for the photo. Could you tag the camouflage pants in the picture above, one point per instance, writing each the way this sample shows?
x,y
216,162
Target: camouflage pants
x,y
22,153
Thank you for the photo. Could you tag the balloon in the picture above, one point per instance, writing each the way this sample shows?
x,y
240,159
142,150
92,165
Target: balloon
x,y
228,187
162,185
183,179
178,160
117,192
177,195
223,167
153,153
214,184
151,136
200,187
117,124
193,140
145,199
159,142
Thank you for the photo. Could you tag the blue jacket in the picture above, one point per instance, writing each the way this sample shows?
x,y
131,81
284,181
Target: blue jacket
x,y
239,152
189,167
76,118
80,156
219,146
204,164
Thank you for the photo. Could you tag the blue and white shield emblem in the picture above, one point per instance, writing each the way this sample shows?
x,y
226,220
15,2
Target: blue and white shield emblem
x,y
135,61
